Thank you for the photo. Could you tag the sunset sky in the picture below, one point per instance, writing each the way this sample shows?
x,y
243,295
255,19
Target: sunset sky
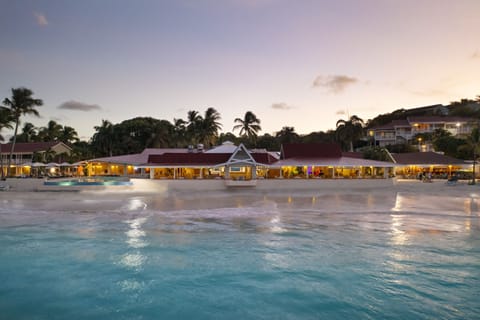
x,y
302,63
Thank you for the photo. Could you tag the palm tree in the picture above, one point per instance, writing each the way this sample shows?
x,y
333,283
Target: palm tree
x,y
6,120
287,135
28,134
210,127
68,135
249,126
179,133
21,103
51,132
349,130
193,127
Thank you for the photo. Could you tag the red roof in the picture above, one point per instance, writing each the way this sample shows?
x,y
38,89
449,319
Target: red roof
x,y
264,157
189,158
311,150
29,147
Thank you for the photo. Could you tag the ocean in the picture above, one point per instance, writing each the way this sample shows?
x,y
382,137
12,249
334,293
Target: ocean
x,y
239,255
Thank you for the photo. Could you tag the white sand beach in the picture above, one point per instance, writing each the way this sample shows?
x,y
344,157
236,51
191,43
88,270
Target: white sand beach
x,y
178,195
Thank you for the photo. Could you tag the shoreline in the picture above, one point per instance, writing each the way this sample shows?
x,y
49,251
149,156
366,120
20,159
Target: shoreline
x,y
302,186
329,196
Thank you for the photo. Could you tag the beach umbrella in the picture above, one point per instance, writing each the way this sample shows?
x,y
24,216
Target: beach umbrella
x,y
52,164
38,164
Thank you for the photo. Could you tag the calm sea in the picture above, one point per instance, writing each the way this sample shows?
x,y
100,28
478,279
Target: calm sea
x,y
239,256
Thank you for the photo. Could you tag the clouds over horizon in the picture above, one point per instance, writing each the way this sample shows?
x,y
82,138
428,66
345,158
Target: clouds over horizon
x,y
79,106
335,83
40,19
281,106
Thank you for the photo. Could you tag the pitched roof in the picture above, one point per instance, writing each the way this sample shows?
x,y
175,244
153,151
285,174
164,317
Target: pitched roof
x,y
424,158
30,147
226,147
264,157
204,158
139,158
310,150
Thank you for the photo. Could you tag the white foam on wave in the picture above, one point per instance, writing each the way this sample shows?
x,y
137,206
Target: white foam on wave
x,y
219,213
436,204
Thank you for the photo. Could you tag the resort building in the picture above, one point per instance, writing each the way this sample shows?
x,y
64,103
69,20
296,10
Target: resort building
x,y
240,165
404,131
26,154
438,166
125,165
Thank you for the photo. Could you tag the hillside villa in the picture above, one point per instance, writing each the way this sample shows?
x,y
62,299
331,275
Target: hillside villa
x,y
403,131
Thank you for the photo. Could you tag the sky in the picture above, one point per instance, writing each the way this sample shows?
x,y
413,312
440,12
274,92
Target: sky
x,y
303,63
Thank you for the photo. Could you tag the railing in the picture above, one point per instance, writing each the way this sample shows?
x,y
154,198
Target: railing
x,y
16,162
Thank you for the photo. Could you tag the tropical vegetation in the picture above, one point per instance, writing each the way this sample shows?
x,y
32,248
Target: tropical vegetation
x,y
204,130
20,104
249,126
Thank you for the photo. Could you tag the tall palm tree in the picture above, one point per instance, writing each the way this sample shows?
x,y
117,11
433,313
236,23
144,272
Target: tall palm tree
x,y
349,130
6,120
22,103
249,126
210,127
194,120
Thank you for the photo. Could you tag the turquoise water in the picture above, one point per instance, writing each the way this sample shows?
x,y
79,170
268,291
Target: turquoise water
x,y
239,256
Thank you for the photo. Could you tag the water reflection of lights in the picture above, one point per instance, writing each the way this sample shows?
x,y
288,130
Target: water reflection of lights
x,y
136,204
399,237
131,285
275,227
133,260
398,203
135,233
134,240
